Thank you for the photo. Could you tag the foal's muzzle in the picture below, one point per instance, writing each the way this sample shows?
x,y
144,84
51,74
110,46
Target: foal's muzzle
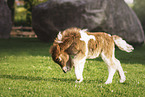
x,y
64,69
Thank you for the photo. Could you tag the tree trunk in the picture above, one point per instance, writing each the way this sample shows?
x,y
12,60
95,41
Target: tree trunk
x,y
5,20
11,4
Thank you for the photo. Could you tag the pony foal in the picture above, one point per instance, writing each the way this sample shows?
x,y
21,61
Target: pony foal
x,y
82,45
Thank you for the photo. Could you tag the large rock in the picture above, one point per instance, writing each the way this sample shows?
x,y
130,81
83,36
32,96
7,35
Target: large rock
x,y
5,20
112,16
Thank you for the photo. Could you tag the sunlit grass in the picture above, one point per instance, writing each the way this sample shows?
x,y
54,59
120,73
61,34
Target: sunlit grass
x,y
21,9
26,69
20,16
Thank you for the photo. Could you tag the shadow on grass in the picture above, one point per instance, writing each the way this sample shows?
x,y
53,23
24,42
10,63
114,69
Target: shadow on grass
x,y
29,78
65,80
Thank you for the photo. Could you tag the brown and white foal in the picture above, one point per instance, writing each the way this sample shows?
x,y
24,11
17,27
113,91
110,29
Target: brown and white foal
x,y
82,45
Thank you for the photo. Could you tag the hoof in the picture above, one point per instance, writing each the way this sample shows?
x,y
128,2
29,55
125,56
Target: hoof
x,y
108,82
122,80
79,80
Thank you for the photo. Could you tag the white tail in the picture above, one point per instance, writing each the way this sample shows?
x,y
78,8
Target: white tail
x,y
122,44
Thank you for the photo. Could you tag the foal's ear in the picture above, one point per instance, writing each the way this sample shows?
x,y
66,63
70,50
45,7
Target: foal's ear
x,y
51,49
57,49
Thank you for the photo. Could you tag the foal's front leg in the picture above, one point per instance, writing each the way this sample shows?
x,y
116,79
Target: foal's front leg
x,y
79,66
79,71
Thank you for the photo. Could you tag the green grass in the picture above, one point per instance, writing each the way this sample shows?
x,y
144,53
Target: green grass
x,y
26,69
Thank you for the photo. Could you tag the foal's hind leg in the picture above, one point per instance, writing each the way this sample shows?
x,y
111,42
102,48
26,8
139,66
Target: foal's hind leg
x,y
120,70
111,67
111,74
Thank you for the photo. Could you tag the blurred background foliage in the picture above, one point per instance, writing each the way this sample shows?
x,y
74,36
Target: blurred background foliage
x,y
22,10
139,8
29,4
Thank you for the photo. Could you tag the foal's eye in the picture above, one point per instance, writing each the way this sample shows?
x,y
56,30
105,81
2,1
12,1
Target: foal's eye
x,y
59,59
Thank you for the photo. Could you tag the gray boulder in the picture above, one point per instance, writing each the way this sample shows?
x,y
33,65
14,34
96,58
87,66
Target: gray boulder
x,y
111,16
5,20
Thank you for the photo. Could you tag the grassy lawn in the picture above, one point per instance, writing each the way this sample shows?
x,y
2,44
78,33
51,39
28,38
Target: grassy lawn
x,y
26,69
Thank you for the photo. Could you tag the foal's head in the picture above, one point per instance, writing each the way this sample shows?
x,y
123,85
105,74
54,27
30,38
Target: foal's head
x,y
60,57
